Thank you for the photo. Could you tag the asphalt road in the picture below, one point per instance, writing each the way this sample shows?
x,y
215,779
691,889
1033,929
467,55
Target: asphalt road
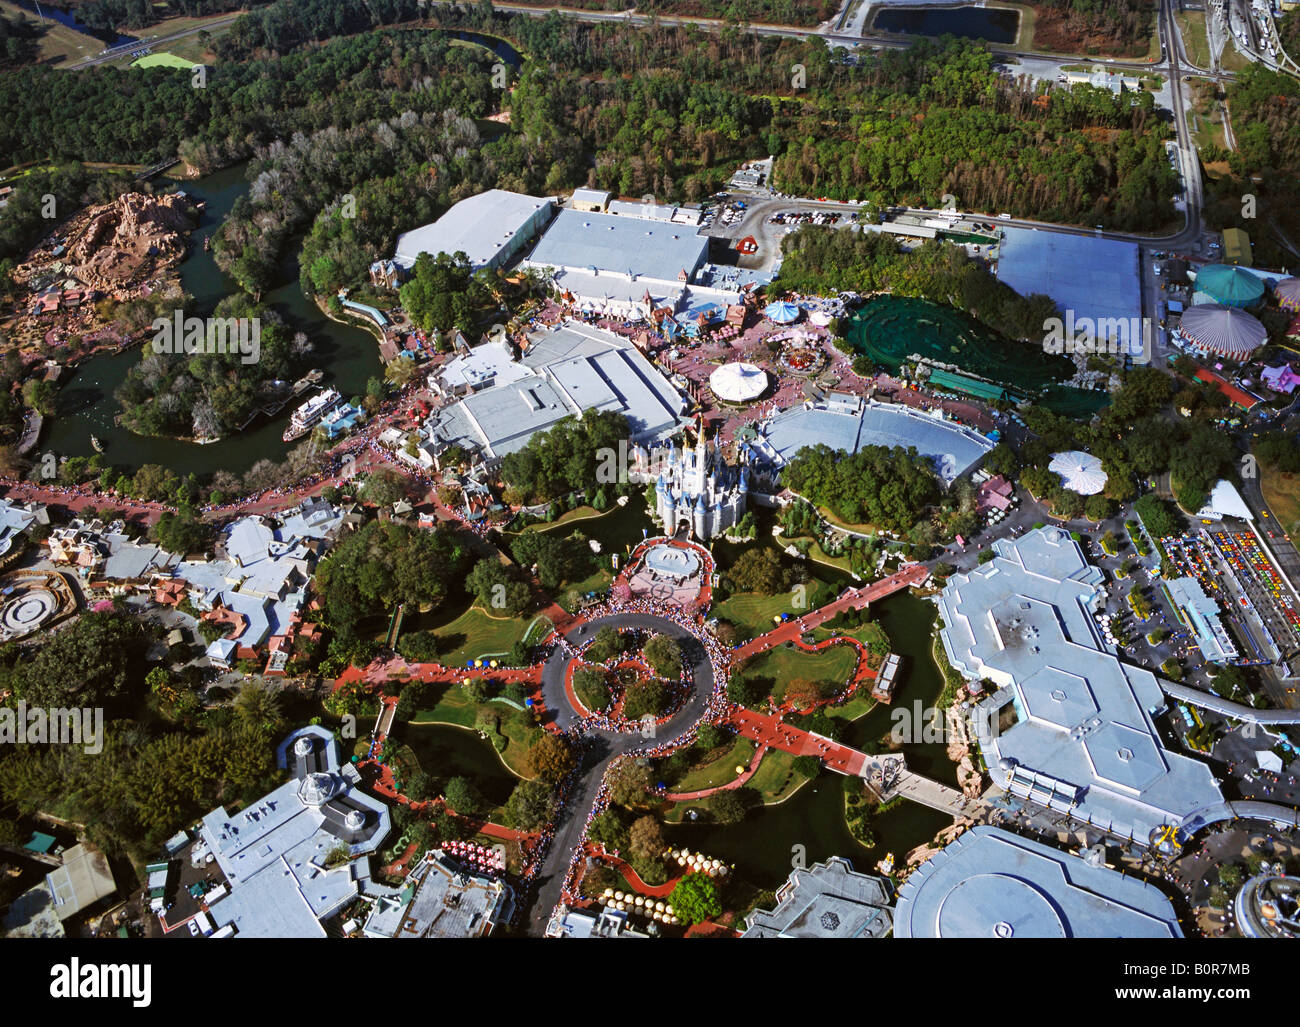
x,y
604,746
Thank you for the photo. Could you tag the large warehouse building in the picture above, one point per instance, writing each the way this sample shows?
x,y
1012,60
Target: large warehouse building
x,y
1092,277
489,229
1083,742
566,370
620,264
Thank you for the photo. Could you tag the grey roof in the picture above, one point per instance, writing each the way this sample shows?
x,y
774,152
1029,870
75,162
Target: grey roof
x,y
636,209
273,853
82,880
825,900
481,226
848,424
442,900
1094,277
623,245
571,368
990,883
1212,637
1084,742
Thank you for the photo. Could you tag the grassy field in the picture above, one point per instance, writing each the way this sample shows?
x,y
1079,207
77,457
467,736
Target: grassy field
x,y
512,737
163,60
59,43
719,771
475,634
578,513
1282,493
1191,26
775,781
833,664
754,612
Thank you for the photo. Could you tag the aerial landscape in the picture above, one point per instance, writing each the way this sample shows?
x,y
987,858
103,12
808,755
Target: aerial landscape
x,y
712,469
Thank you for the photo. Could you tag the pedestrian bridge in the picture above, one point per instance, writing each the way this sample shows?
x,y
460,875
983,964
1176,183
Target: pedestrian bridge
x,y
1226,707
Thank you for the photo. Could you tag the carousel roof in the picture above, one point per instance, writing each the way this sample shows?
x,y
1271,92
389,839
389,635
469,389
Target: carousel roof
x,y
738,382
1224,330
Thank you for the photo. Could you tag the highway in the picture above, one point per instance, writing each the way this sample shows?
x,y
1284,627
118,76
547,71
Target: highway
x,y
153,43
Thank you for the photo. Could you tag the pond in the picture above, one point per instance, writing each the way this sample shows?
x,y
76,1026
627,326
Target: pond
x,y
760,846
996,25
445,751
65,18
890,329
86,406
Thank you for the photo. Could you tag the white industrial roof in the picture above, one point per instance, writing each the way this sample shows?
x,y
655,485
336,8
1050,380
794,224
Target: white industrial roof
x,y
990,883
620,245
480,226
1084,742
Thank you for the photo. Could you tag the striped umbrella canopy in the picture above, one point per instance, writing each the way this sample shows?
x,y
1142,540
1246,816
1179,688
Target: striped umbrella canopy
x,y
1288,293
1228,331
783,312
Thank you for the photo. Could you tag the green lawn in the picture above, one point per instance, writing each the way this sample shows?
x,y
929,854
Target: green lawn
x,y
775,778
1282,494
717,772
1191,26
513,736
753,612
578,513
476,634
833,664
163,60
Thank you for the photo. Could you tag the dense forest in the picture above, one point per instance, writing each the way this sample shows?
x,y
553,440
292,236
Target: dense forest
x,y
1121,28
106,15
824,260
885,487
908,125
207,395
1265,109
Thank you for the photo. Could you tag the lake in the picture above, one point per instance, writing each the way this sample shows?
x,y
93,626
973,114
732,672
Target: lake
x,y
996,25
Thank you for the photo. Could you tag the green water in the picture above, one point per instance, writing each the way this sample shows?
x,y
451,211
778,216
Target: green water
x,y
86,405
761,845
889,329
445,751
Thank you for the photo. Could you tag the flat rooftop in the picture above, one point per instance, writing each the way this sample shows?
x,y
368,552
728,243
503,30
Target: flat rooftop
x,y
567,370
990,883
1084,742
1094,277
621,244
480,226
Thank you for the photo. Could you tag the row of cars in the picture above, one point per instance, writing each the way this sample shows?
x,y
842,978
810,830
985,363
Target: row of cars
x,y
805,217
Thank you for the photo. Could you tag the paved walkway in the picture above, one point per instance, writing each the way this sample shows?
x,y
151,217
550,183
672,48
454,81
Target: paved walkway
x,y
704,793
852,599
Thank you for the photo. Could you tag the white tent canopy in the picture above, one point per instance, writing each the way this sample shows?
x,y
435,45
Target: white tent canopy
x,y
738,382
1080,472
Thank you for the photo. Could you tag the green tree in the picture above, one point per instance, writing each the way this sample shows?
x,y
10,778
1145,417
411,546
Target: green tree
x,y
695,899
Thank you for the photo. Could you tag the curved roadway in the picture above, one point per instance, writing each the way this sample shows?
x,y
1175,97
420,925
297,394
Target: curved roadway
x,y
605,746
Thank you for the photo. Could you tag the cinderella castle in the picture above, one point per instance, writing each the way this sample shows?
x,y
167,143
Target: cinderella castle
x,y
697,487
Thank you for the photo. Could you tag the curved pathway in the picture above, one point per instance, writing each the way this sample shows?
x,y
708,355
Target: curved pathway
x,y
571,825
